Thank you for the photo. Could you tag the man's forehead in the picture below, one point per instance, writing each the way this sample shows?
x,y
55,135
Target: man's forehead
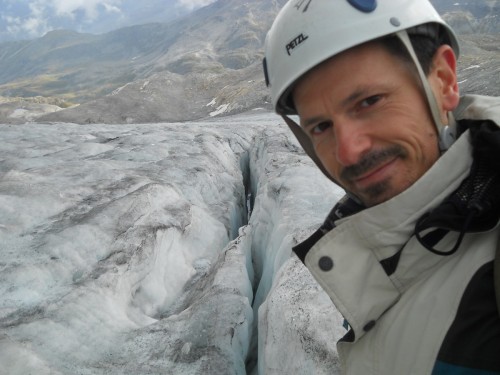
x,y
353,62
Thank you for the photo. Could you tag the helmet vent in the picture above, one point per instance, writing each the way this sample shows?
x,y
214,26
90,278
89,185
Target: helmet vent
x,y
395,21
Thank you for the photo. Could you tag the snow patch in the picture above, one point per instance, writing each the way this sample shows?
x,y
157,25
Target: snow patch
x,y
220,110
116,91
19,113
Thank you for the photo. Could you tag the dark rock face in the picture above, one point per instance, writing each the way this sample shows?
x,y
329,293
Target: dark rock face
x,y
477,8
479,64
466,17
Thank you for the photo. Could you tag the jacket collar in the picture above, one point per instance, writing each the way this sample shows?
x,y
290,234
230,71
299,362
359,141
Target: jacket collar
x,y
357,282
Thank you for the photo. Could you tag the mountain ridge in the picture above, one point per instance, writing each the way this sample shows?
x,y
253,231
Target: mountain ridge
x,y
26,21
204,63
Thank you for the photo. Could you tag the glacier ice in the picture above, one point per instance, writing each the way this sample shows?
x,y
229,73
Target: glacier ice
x,y
161,249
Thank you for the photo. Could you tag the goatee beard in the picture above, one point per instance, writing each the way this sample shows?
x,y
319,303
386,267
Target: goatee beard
x,y
372,194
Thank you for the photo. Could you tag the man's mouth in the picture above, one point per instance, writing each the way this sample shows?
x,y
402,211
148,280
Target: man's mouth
x,y
379,173
373,166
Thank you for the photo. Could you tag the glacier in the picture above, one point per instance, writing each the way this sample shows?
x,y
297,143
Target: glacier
x,y
161,249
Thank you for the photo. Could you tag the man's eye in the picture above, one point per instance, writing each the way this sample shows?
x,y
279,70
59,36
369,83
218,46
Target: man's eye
x,y
320,128
370,101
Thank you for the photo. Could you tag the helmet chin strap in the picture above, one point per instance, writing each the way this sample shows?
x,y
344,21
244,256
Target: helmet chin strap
x,y
446,132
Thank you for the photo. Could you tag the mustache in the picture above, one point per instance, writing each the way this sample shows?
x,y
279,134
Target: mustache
x,y
371,160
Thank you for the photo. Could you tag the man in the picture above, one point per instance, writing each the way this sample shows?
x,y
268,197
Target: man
x,y
408,255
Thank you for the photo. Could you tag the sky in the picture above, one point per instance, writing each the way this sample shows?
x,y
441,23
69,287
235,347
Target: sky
x,y
27,19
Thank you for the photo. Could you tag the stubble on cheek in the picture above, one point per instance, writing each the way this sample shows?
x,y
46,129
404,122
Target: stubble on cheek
x,y
374,194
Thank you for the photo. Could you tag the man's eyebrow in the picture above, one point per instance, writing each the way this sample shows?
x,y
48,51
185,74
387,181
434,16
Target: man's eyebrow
x,y
364,91
359,93
355,96
344,103
311,121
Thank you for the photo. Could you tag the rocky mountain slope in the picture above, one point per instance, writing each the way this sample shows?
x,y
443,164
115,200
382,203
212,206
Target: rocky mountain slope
x,y
225,35
478,8
206,64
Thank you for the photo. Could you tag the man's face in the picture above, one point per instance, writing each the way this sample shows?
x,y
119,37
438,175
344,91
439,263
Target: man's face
x,y
368,122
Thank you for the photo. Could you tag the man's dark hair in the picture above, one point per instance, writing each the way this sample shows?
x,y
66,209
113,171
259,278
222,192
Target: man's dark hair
x,y
425,47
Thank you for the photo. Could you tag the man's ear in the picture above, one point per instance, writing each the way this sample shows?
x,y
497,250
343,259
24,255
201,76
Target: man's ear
x,y
443,79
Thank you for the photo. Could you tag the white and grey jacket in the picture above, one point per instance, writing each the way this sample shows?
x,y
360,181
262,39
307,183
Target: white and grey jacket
x,y
407,307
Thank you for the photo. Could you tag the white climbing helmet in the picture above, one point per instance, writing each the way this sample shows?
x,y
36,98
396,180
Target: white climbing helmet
x,y
308,32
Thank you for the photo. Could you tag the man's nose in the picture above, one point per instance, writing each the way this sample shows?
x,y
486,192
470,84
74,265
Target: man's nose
x,y
352,142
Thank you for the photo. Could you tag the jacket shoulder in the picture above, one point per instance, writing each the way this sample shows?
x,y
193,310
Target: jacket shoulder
x,y
478,107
